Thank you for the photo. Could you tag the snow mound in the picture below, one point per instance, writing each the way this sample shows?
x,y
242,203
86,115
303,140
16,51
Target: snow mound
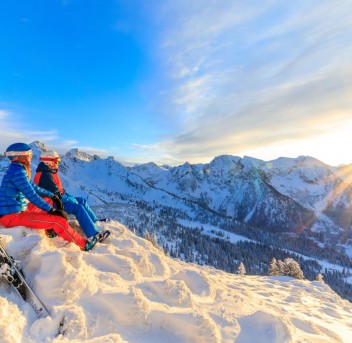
x,y
268,329
126,290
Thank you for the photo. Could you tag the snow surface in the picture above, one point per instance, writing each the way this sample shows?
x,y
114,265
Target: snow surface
x,y
126,290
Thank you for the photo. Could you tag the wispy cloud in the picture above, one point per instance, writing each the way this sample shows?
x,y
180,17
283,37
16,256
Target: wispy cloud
x,y
243,74
12,131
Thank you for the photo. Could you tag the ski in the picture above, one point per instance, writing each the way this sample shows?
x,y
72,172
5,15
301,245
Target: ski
x,y
13,275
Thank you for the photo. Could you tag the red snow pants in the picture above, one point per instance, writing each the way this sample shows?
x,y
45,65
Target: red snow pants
x,y
36,218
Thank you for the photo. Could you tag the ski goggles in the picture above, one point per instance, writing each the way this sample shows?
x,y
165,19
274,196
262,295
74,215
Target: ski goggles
x,y
55,159
19,153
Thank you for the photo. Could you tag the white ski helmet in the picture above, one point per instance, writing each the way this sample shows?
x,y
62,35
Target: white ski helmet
x,y
50,158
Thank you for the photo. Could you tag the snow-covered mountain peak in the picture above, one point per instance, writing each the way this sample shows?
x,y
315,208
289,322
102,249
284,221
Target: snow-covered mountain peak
x,y
306,168
224,162
249,163
308,160
183,170
300,161
148,168
38,148
80,155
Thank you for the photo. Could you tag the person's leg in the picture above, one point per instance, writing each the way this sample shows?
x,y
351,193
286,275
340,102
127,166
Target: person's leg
x,y
33,208
84,203
83,218
36,220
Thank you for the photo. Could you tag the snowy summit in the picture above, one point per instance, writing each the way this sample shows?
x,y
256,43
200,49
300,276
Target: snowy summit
x,y
126,290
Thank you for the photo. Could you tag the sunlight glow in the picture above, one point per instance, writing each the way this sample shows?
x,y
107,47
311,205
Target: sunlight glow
x,y
330,148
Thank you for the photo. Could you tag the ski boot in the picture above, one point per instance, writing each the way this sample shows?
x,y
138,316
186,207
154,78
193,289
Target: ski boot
x,y
103,235
51,233
90,243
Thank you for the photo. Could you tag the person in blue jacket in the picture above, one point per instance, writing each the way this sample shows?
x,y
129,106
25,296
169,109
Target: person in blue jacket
x,y
21,202
47,177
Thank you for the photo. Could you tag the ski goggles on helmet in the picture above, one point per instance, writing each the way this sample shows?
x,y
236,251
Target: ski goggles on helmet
x,y
49,159
19,153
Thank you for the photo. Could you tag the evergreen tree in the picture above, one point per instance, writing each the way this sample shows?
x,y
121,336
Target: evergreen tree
x,y
147,235
241,270
281,267
154,240
274,268
319,278
292,268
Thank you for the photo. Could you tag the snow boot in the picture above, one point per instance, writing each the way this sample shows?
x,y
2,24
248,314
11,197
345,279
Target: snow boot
x,y
90,243
103,220
51,233
103,235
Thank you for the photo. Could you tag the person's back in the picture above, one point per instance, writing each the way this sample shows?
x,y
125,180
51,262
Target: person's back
x,y
15,186
11,199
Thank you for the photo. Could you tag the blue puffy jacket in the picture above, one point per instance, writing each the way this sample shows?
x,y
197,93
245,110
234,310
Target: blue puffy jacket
x,y
16,188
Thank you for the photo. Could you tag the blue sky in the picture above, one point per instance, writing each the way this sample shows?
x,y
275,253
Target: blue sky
x,y
176,81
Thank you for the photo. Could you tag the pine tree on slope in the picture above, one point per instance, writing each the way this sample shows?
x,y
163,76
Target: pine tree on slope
x,y
241,270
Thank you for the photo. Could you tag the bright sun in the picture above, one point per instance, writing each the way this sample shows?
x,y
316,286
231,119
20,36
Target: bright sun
x,y
333,148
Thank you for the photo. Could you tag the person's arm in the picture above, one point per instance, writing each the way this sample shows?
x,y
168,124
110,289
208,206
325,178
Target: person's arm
x,y
20,180
41,191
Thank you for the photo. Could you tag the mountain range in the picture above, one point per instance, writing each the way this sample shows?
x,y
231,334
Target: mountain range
x,y
298,204
284,195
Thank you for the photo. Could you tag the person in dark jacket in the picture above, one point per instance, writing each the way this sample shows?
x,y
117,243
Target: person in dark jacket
x,y
16,188
47,177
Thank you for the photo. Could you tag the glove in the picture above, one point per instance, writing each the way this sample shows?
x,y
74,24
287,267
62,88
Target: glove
x,y
59,213
57,202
